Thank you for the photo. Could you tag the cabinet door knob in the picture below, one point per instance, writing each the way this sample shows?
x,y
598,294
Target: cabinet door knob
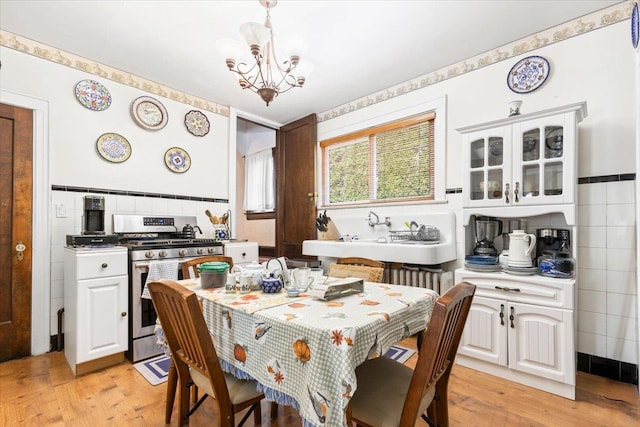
x,y
105,265
506,193
501,314
123,314
516,191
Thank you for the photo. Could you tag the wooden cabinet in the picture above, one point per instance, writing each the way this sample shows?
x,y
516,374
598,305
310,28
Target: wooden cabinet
x,y
521,328
527,160
95,307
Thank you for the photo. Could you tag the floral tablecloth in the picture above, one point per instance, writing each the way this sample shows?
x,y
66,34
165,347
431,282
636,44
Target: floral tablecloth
x,y
304,351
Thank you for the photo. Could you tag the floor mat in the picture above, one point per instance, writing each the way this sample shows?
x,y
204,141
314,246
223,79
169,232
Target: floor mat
x,y
399,353
154,370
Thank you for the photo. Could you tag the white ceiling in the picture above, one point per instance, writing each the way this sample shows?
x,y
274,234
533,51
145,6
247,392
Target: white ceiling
x,y
357,47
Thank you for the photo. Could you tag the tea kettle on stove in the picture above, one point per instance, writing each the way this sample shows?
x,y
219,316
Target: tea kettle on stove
x,y
189,232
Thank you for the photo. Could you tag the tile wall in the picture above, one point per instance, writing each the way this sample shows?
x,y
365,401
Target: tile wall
x,y
607,285
66,218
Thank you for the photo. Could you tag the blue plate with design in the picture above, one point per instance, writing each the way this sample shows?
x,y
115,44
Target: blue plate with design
x,y
528,74
481,259
635,26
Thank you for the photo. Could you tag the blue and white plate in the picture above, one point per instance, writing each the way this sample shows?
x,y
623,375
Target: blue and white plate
x,y
177,160
93,95
635,26
528,74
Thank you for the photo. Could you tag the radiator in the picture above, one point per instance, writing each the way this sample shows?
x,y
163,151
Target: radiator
x,y
419,276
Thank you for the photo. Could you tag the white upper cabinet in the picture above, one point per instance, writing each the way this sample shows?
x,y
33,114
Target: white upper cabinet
x,y
527,160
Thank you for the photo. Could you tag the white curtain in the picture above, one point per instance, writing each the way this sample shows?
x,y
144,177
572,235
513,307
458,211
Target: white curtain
x,y
259,182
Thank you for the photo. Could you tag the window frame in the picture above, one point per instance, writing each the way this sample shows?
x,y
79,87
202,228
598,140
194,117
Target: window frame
x,y
386,122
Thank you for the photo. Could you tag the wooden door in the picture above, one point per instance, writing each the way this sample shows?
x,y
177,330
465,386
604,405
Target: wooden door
x,y
295,186
16,148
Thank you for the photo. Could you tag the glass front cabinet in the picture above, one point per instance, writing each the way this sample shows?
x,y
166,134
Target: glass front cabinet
x,y
522,160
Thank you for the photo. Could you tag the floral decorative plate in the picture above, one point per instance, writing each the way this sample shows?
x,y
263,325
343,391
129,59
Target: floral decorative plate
x,y
93,95
113,147
528,74
177,160
197,123
635,26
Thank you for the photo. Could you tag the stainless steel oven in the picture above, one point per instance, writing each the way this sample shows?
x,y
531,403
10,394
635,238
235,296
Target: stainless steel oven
x,y
151,238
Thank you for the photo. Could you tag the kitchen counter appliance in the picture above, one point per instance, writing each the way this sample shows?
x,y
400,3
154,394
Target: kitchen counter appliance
x,y
151,238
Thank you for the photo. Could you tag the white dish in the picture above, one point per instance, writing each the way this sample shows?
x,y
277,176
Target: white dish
x,y
520,271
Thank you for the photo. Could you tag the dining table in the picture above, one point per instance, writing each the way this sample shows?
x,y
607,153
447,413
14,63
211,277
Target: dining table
x,y
303,351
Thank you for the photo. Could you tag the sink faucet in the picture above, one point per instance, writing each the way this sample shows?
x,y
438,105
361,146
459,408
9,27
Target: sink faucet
x,y
387,220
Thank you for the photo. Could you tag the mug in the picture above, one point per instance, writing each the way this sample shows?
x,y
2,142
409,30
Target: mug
x,y
302,278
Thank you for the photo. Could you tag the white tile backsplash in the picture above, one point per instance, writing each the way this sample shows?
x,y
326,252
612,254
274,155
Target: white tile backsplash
x,y
622,282
592,194
621,259
594,301
592,237
621,192
622,350
621,237
592,258
593,323
622,305
591,279
621,215
592,215
593,344
621,327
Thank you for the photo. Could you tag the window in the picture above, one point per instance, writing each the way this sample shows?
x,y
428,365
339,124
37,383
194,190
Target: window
x,y
259,182
386,163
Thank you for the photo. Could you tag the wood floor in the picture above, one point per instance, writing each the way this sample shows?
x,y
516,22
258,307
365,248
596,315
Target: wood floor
x,y
41,391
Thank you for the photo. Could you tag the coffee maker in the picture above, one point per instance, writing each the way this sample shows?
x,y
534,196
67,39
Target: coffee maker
x,y
93,218
487,228
552,239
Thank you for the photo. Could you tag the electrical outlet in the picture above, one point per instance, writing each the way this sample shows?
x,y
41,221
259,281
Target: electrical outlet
x,y
61,211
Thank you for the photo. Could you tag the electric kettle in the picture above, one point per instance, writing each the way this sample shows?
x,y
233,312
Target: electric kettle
x,y
521,246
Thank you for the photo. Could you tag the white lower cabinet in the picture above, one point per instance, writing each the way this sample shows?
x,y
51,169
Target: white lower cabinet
x,y
521,328
95,307
243,253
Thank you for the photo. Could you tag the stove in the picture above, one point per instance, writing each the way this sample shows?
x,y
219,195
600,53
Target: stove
x,y
151,238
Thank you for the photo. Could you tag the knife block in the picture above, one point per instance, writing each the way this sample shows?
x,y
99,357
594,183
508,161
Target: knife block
x,y
331,233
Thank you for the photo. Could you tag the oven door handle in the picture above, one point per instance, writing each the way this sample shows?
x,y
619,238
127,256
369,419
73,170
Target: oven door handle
x,y
142,266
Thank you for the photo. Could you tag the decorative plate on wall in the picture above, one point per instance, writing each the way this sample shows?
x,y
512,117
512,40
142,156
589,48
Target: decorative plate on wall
x,y
93,95
177,160
149,113
528,74
113,147
197,123
635,26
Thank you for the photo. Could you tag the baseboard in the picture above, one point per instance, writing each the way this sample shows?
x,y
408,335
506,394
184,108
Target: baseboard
x,y
608,368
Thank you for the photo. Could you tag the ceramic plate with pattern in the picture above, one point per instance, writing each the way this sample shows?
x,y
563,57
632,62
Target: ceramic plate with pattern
x,y
93,95
635,26
113,147
528,74
177,160
197,123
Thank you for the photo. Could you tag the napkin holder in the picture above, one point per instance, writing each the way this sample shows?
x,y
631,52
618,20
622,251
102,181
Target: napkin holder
x,y
334,288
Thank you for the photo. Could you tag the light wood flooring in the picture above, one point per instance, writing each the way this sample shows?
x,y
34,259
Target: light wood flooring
x,y
41,391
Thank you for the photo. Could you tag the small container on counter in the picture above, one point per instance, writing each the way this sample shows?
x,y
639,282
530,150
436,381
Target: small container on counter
x,y
557,264
213,274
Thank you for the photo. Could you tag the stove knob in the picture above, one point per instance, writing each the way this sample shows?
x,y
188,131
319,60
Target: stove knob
x,y
149,254
211,250
162,254
200,251
182,252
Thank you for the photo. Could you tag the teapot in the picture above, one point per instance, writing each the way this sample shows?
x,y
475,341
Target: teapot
x,y
521,245
251,272
189,232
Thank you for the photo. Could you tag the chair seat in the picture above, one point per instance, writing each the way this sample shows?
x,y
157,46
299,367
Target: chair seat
x,y
382,389
239,390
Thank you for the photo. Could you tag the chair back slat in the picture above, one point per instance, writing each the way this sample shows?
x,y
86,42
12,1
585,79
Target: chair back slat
x,y
439,346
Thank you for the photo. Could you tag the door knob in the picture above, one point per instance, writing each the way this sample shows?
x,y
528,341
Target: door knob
x,y
20,248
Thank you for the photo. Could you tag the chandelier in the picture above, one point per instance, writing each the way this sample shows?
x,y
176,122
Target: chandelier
x,y
264,75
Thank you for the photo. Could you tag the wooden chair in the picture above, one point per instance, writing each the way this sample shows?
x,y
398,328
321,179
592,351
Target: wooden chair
x,y
369,274
191,265
195,357
360,261
392,394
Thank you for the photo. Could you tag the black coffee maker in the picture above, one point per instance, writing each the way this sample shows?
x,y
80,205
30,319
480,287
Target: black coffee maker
x,y
93,219
552,239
